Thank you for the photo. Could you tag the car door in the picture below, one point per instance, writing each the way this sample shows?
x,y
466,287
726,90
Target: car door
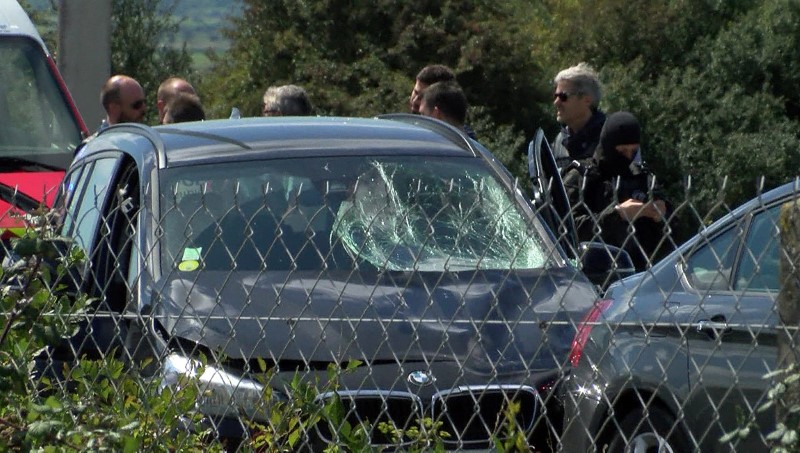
x,y
549,195
84,199
733,341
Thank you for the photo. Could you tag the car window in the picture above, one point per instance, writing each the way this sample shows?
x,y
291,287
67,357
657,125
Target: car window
x,y
759,266
709,266
83,214
65,200
394,213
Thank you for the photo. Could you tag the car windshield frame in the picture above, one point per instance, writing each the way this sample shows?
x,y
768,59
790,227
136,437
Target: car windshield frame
x,y
380,212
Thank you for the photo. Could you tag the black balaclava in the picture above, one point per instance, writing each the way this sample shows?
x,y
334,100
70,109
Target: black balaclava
x,y
621,128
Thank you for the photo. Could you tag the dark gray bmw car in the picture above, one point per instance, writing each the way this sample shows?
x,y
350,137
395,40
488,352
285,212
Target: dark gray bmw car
x,y
395,243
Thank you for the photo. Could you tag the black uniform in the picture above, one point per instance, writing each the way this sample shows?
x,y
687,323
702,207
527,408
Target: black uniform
x,y
596,185
570,145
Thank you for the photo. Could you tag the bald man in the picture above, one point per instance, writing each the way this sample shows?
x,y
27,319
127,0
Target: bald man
x,y
168,90
123,99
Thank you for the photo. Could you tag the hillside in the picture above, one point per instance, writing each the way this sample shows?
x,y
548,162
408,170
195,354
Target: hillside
x,y
200,24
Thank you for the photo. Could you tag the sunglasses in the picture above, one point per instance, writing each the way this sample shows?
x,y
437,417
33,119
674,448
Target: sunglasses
x,y
138,104
563,95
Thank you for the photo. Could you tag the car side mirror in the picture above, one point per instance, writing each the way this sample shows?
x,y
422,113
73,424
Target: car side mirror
x,y
604,264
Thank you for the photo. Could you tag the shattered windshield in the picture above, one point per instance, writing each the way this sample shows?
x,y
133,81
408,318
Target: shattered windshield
x,y
394,213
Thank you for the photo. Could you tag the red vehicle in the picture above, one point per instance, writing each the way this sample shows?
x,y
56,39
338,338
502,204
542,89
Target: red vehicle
x,y
40,127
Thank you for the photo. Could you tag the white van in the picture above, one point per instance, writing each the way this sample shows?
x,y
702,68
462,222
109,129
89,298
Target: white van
x,y
40,127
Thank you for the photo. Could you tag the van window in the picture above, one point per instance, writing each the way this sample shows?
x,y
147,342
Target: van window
x,y
38,131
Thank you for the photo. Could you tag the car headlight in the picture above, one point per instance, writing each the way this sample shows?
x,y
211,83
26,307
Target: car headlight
x,y
221,393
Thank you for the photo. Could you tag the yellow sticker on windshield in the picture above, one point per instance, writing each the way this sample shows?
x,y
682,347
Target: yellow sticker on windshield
x,y
189,265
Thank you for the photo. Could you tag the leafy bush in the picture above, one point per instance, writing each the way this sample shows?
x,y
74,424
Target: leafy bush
x,y
782,398
104,405
101,406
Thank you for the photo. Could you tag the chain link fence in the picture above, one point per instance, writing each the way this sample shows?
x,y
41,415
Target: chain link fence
x,y
294,318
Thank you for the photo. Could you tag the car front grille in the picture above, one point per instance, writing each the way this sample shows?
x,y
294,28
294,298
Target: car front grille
x,y
470,415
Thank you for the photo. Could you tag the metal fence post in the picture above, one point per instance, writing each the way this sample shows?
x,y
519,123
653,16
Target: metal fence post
x,y
788,302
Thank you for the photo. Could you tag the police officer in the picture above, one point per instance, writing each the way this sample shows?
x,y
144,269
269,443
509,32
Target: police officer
x,y
615,197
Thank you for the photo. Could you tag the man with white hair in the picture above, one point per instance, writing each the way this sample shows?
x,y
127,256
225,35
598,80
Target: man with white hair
x,y
577,99
286,100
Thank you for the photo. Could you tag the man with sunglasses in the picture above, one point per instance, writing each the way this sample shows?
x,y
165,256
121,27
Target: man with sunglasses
x,y
123,99
577,99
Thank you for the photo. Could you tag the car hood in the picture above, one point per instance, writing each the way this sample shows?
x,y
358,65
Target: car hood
x,y
489,321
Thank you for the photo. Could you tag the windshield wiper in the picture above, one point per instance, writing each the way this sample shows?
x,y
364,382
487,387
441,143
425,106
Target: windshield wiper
x,y
20,163
14,197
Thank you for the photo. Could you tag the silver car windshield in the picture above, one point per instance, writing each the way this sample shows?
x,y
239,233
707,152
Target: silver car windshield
x,y
390,213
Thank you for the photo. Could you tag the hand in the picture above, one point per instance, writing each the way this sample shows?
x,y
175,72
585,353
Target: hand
x,y
631,210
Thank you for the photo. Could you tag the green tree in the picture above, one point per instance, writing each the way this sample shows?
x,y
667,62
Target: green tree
x,y
718,98
604,32
141,31
46,22
360,58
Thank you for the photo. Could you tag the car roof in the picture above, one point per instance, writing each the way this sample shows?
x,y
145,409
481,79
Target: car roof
x,y
15,22
274,137
760,200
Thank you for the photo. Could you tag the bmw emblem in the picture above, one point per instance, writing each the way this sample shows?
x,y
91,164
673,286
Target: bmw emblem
x,y
421,378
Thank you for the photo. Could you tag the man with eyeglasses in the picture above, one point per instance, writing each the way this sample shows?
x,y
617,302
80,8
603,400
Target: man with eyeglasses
x,y
123,99
577,99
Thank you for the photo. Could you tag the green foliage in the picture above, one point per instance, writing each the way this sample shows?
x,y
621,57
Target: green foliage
x,y
103,407
782,398
141,31
360,59
619,31
296,412
426,435
513,438
503,141
725,111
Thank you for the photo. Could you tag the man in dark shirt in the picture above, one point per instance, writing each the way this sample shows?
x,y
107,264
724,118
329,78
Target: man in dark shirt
x,y
446,101
616,199
576,99
426,77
